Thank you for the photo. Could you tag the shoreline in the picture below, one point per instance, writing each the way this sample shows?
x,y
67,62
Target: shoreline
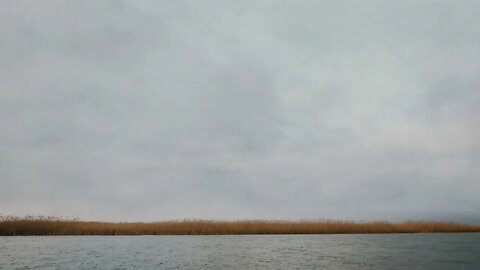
x,y
49,227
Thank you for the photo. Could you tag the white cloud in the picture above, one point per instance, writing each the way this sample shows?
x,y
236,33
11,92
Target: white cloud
x,y
260,109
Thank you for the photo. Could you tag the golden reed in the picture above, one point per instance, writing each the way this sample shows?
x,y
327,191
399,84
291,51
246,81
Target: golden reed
x,y
53,226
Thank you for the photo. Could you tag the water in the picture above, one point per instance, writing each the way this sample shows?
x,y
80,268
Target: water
x,y
373,251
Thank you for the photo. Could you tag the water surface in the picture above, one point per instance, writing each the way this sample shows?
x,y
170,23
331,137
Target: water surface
x,y
359,251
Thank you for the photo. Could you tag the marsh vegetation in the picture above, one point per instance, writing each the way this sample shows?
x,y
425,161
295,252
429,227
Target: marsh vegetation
x,y
56,226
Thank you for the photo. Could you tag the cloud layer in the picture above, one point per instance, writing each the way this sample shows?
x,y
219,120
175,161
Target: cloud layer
x,y
150,110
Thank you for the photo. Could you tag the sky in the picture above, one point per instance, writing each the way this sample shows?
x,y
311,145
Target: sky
x,y
156,110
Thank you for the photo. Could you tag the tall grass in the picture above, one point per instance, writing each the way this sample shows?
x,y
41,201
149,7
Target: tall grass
x,y
52,226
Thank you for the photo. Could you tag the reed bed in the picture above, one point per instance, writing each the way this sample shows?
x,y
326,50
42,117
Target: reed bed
x,y
52,226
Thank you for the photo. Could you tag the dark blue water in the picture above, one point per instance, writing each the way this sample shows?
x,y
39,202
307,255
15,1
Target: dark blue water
x,y
372,251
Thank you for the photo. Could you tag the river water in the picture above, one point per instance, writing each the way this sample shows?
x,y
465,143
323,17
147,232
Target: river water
x,y
354,251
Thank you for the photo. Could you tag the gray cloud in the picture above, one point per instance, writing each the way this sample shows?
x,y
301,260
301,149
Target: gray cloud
x,y
150,110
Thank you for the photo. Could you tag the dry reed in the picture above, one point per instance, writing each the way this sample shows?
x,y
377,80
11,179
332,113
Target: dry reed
x,y
53,226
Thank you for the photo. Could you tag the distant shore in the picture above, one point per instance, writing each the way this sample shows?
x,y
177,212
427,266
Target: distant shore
x,y
52,226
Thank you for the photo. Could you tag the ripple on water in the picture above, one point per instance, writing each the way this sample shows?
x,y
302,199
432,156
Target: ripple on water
x,y
405,251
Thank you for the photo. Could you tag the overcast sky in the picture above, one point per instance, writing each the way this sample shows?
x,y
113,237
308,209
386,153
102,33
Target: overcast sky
x,y
154,110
